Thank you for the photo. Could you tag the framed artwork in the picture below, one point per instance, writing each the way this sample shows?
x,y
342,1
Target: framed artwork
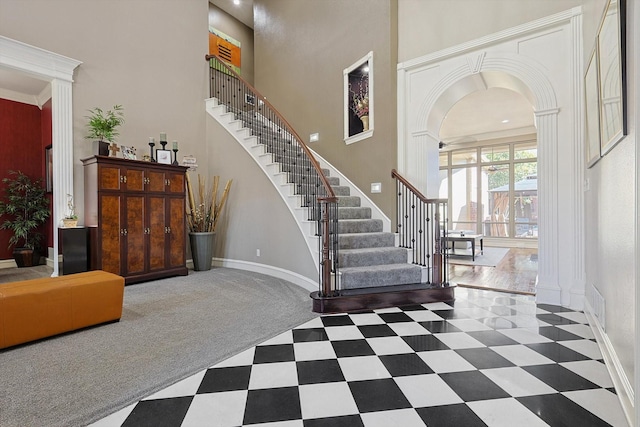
x,y
358,100
48,168
611,47
163,156
592,106
128,152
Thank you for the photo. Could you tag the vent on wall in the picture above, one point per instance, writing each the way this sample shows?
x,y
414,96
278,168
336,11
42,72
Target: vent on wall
x,y
225,52
597,303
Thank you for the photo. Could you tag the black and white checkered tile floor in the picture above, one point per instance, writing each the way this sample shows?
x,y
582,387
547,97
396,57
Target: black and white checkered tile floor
x,y
489,359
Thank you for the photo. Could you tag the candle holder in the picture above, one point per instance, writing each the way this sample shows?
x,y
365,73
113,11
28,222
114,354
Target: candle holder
x,y
175,157
163,143
151,145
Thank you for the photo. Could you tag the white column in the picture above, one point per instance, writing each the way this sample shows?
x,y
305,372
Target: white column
x,y
548,287
423,168
578,279
62,142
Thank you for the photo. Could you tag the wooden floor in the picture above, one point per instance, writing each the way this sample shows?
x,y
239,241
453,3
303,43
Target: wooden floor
x,y
516,272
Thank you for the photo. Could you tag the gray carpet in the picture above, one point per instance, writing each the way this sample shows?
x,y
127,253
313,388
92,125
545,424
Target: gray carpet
x,y
170,329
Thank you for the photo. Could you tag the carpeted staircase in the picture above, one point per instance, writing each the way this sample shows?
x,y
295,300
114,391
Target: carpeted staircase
x,y
368,257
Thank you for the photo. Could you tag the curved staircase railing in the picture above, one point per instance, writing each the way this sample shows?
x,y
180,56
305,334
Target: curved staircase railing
x,y
421,227
293,155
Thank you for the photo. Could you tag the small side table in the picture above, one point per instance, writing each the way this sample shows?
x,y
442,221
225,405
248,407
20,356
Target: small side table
x,y
74,247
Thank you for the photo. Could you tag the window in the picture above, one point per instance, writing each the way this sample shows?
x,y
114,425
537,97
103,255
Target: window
x,y
492,190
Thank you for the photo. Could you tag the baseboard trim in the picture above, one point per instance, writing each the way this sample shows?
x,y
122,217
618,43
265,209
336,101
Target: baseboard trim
x,y
621,383
7,263
280,273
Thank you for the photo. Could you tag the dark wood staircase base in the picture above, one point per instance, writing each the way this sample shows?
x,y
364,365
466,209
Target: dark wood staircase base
x,y
355,300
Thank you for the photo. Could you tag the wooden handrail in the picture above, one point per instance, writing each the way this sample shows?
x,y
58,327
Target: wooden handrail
x,y
396,175
330,197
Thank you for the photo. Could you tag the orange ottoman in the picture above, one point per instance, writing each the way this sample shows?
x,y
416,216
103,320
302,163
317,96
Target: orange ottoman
x,y
39,308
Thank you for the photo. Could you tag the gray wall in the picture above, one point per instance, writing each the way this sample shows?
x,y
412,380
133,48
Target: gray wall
x,y
302,48
147,55
221,20
255,216
427,26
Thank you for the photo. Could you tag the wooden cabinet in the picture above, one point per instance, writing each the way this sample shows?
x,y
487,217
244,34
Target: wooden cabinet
x,y
138,212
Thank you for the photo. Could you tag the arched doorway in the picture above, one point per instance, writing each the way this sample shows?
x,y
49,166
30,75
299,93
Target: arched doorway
x,y
534,63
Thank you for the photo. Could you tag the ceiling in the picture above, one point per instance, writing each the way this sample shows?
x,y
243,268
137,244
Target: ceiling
x,y
478,116
243,12
487,114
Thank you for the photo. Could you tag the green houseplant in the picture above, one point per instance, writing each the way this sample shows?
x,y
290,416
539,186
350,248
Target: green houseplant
x,y
24,208
103,127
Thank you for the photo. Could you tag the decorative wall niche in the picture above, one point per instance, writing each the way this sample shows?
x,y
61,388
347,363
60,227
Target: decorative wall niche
x,y
358,100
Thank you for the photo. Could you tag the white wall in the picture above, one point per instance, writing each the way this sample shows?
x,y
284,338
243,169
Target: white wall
x,y
612,224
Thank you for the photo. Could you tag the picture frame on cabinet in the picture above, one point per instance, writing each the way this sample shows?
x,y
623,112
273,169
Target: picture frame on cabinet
x,y
128,152
163,156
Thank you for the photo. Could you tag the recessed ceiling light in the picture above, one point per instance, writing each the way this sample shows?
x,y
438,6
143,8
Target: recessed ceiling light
x,y
236,2
366,69
505,121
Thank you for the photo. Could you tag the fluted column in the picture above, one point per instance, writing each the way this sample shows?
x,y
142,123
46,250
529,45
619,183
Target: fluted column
x,y
62,142
548,288
423,168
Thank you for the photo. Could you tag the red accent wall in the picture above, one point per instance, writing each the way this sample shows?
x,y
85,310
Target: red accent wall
x,y
47,138
21,147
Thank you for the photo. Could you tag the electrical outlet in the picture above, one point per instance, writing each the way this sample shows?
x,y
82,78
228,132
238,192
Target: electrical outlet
x,y
257,252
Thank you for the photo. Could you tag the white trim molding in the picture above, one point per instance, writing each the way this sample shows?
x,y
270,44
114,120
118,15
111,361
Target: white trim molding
x,y
58,71
621,382
538,60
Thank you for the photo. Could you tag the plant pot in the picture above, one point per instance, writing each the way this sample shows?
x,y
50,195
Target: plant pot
x,y
102,148
67,222
201,250
24,257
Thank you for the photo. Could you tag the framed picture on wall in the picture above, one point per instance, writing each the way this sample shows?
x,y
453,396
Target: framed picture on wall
x,y
358,100
612,76
48,168
592,105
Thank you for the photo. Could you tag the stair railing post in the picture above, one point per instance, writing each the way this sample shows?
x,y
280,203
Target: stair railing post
x,y
325,235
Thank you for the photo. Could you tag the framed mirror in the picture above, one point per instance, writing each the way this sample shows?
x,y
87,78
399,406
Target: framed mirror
x,y
358,100
611,48
592,107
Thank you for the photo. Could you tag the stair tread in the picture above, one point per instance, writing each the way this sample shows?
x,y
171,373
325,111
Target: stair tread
x,y
381,267
373,249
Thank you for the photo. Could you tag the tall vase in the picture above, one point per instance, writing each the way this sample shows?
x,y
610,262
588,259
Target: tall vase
x,y
201,250
365,123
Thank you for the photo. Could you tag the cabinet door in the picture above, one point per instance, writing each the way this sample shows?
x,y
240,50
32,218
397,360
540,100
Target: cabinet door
x,y
109,177
157,232
176,183
135,234
156,181
177,231
135,179
112,232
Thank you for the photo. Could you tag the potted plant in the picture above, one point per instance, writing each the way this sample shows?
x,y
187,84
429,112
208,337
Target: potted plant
x,y
24,207
103,127
70,218
202,219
